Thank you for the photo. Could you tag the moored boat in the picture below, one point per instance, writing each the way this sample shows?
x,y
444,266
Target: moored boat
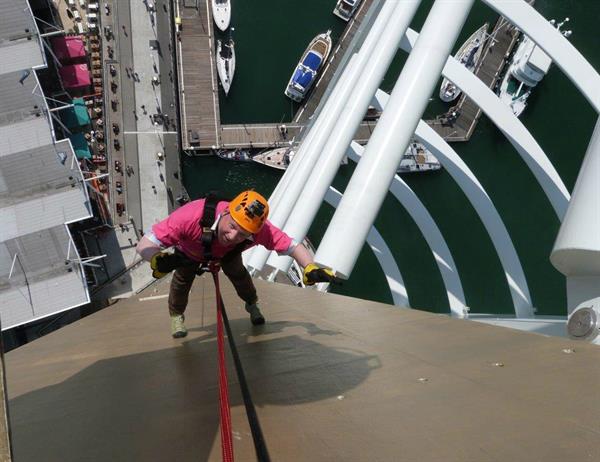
x,y
238,155
468,55
225,63
344,9
527,68
416,159
308,67
221,10
278,158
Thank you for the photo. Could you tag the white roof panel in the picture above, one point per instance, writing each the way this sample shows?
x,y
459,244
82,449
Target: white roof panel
x,y
24,135
42,213
23,55
43,282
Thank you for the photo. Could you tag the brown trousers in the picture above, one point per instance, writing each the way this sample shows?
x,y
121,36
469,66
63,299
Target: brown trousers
x,y
234,269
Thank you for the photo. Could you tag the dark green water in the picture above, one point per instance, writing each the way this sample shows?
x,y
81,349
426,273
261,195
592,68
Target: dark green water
x,y
269,42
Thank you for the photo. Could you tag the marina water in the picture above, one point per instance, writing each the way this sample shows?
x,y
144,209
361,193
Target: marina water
x,y
270,36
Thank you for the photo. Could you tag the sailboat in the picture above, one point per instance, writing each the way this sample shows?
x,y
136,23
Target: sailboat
x,y
308,67
221,10
225,63
418,159
278,158
468,55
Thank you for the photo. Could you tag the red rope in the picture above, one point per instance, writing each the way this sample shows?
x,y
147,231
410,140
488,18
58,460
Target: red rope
x,y
226,439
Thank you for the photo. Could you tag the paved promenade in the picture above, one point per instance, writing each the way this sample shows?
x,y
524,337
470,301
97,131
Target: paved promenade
x,y
141,33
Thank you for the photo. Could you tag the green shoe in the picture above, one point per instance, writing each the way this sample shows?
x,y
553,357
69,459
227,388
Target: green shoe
x,y
256,317
178,329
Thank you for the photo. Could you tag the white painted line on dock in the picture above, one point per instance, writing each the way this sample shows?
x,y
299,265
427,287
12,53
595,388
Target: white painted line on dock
x,y
154,297
149,133
212,73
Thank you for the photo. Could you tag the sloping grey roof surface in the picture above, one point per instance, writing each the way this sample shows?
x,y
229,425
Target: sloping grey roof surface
x,y
21,100
43,282
19,42
41,189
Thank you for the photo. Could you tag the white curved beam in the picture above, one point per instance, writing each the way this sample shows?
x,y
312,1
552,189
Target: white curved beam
x,y
393,16
576,252
487,212
514,130
562,52
484,207
431,233
382,253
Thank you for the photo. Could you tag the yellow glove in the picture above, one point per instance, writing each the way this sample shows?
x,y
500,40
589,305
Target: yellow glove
x,y
162,263
314,273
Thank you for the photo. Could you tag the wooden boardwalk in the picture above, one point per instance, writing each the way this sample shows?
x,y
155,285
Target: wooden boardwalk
x,y
198,89
274,135
199,97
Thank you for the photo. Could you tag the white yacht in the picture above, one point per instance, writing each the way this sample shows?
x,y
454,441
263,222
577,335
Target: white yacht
x,y
418,159
225,63
278,158
308,67
528,67
468,55
221,10
344,9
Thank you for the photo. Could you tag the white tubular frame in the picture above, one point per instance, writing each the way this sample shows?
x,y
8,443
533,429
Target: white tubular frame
x,y
311,148
356,103
368,186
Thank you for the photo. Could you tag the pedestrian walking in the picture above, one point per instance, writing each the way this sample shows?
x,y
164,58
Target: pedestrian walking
x,y
135,114
144,109
136,76
124,30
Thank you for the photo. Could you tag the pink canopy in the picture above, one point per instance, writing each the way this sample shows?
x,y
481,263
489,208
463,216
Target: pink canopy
x,y
69,48
75,76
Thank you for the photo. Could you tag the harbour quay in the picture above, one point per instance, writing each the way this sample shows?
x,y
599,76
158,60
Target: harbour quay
x,y
198,88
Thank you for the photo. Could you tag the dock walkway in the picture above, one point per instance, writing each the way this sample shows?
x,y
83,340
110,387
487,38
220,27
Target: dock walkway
x,y
198,89
199,94
503,38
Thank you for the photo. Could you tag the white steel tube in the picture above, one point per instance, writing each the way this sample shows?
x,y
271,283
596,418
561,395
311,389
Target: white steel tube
x,y
576,252
339,140
312,146
368,186
282,198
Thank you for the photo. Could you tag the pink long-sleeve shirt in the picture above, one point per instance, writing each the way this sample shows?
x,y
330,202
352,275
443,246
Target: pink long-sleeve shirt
x,y
182,229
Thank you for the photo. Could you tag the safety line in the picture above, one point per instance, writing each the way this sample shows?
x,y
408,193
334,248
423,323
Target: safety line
x,y
260,446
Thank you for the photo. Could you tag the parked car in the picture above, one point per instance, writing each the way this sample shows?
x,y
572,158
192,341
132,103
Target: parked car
x,y
120,208
119,187
118,166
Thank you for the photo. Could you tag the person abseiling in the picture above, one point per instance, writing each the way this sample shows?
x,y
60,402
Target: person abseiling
x,y
211,230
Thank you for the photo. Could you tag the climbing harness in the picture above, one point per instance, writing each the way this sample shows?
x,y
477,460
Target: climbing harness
x,y
260,446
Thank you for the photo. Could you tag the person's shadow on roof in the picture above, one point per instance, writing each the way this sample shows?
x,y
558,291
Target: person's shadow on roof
x,y
163,405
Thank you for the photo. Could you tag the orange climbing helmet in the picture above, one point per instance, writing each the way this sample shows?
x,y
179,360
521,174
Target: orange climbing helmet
x,y
249,210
